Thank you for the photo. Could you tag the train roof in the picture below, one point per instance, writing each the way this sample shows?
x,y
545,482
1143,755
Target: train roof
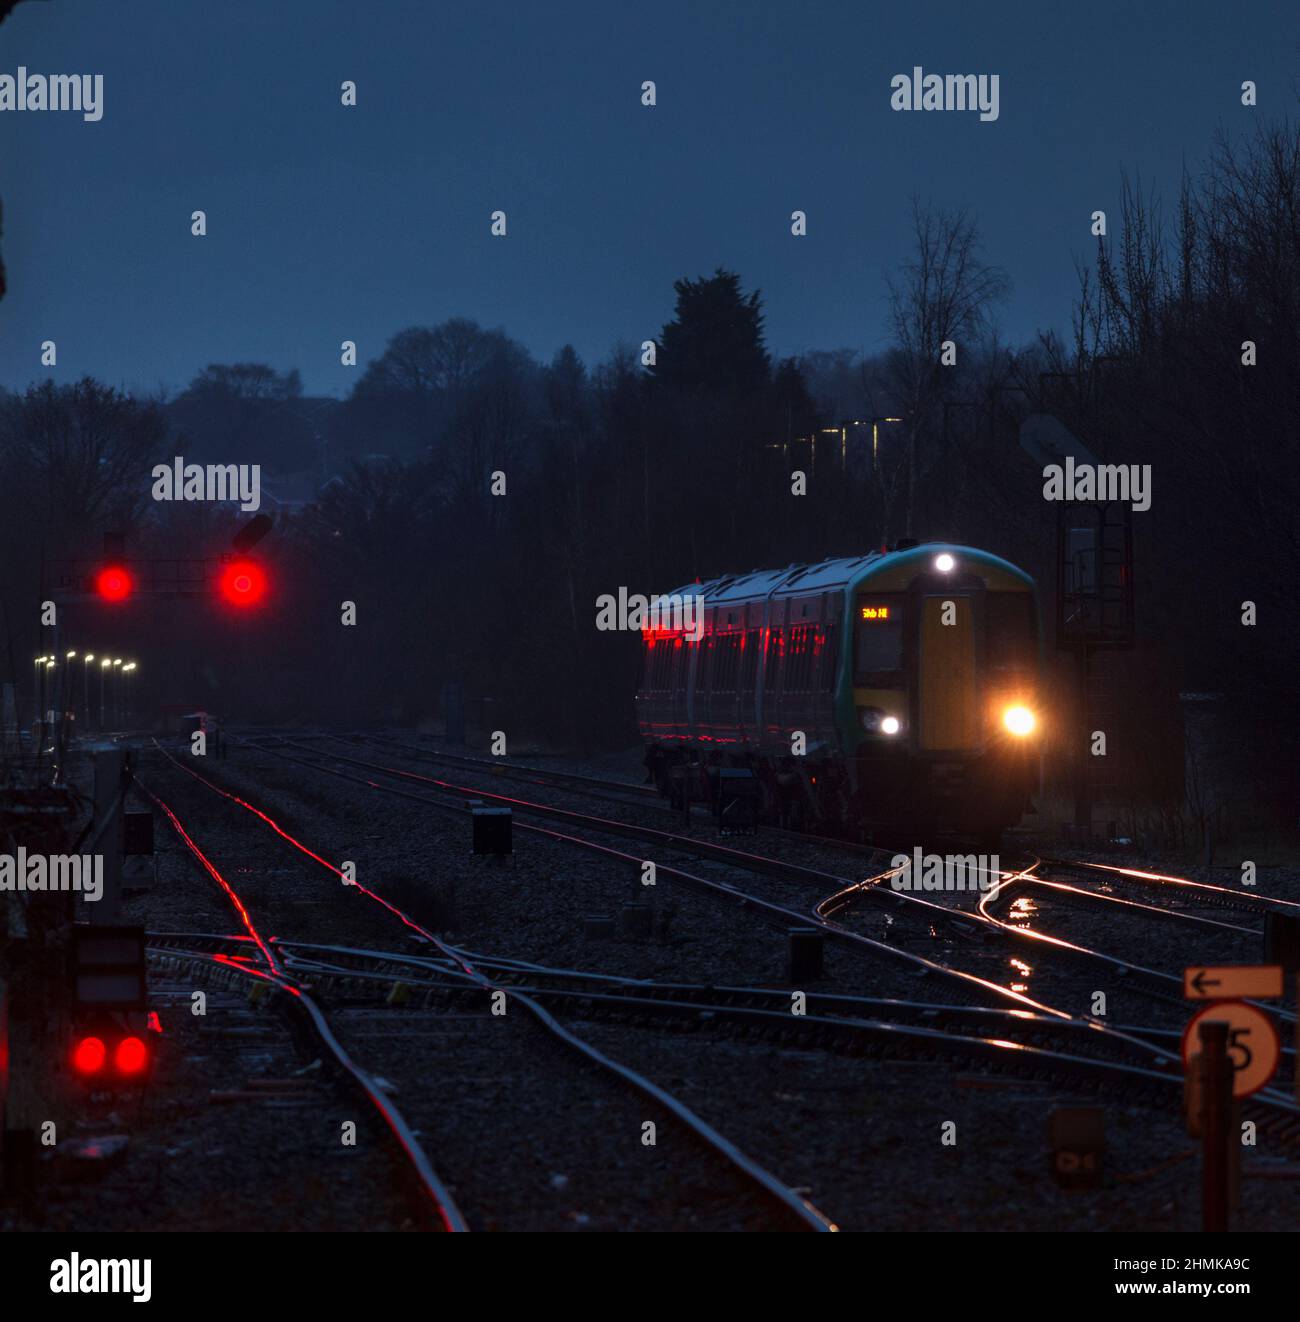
x,y
828,575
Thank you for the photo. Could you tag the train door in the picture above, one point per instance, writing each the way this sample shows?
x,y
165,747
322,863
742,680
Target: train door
x,y
949,716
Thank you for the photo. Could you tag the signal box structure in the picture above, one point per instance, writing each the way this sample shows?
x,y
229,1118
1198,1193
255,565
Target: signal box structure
x,y
1094,575
1094,590
108,968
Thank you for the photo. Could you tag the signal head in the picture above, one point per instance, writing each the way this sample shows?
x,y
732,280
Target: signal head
x,y
243,583
89,1055
131,1056
113,583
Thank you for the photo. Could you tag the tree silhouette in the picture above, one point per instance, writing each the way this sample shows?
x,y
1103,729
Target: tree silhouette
x,y
715,341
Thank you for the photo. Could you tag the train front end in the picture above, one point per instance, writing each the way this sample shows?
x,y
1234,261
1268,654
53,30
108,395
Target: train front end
x,y
942,703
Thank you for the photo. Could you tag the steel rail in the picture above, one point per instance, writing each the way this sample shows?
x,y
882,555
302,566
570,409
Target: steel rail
x,y
1146,910
503,767
449,1215
971,983
1213,894
1164,986
807,1215
1208,891
1149,981
1275,1112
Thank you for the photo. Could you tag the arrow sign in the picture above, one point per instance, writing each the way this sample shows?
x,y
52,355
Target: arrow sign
x,y
1232,982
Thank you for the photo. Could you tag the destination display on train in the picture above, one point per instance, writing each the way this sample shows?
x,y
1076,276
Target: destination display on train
x,y
875,612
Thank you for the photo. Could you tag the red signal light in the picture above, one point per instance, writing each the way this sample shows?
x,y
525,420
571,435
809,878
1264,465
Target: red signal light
x,y
243,583
89,1055
131,1056
113,583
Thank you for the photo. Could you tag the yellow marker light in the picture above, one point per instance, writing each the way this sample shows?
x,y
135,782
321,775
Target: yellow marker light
x,y
1019,720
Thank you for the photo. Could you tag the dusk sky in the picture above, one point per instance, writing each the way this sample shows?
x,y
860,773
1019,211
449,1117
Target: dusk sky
x,y
327,223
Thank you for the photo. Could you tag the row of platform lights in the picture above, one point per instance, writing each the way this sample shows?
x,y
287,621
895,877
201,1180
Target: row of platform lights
x,y
107,665
842,431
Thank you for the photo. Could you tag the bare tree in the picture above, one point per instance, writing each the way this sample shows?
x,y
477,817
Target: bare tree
x,y
80,456
946,292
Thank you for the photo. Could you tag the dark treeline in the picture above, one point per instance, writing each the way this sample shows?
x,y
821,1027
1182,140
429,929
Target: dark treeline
x,y
649,475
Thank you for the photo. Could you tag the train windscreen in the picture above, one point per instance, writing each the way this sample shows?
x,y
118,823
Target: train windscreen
x,y
1010,635
878,640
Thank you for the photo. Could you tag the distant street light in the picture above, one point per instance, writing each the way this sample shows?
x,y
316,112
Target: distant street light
x,y
85,688
875,438
38,697
127,690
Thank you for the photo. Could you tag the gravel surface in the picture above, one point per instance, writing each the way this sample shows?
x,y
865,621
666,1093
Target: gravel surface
x,y
528,1137
1128,935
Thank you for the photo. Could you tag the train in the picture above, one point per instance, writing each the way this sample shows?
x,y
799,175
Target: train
x,y
893,692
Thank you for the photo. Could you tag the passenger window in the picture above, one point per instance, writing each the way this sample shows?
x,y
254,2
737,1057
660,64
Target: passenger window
x,y
772,665
750,654
830,658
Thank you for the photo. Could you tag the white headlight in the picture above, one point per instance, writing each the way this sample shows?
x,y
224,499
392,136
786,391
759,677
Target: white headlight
x,y
889,725
944,563
1019,720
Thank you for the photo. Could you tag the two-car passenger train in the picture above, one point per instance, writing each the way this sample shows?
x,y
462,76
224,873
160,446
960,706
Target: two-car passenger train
x,y
891,691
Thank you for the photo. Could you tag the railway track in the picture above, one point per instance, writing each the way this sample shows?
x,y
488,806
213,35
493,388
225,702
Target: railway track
x,y
1183,888
1080,894
1286,1112
843,894
912,1030
646,796
796,1209
302,1009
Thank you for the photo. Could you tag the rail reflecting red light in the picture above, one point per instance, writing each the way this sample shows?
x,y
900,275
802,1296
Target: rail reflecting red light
x,y
298,845
449,1215
234,899
808,1215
